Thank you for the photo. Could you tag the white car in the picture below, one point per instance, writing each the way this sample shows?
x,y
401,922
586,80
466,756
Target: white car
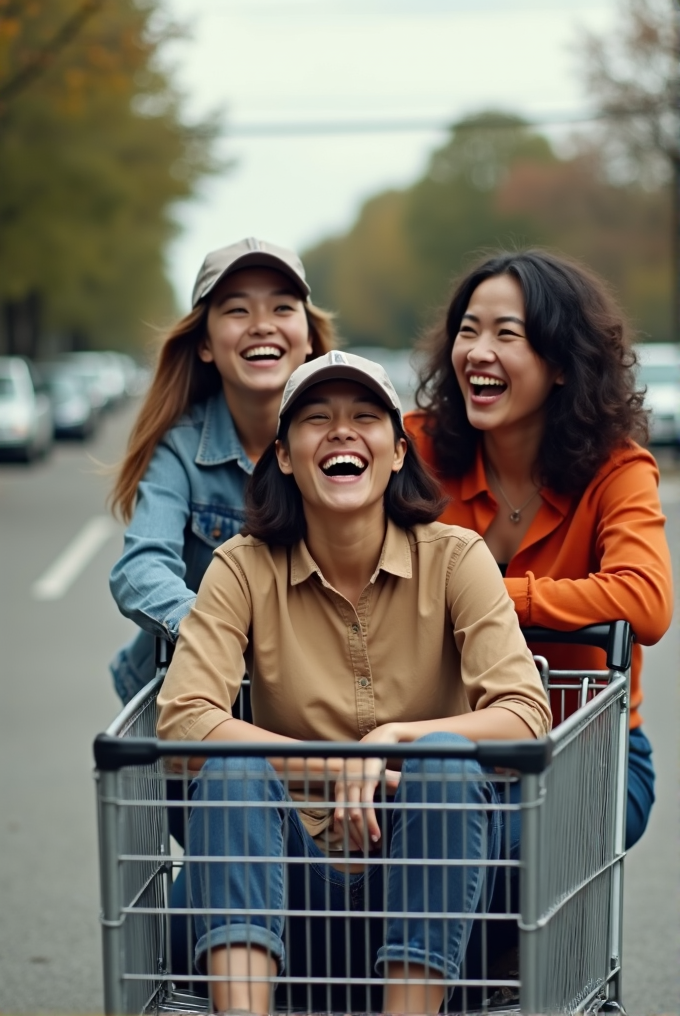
x,y
26,422
659,371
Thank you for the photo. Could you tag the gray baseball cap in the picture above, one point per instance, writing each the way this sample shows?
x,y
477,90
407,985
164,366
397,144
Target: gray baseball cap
x,y
338,365
249,253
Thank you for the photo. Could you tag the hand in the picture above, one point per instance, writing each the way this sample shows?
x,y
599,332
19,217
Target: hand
x,y
356,785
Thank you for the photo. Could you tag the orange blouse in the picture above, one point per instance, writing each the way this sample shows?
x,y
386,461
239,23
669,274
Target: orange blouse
x,y
600,557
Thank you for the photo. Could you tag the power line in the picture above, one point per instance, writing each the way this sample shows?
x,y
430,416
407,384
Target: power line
x,y
413,124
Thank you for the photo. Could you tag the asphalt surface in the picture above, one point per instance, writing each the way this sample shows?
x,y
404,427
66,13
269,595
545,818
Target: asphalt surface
x,y
56,694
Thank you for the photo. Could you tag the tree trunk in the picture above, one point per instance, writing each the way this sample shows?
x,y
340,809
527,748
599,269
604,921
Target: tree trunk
x,y
22,326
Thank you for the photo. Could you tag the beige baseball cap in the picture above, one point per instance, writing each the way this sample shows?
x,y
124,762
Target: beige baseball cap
x,y
249,253
338,365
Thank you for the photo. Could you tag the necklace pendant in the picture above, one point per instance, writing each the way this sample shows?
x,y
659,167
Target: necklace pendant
x,y
514,516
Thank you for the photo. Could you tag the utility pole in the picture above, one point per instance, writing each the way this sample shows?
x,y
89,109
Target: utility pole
x,y
675,156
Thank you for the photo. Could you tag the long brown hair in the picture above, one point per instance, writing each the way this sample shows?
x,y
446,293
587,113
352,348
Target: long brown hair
x,y
180,380
574,324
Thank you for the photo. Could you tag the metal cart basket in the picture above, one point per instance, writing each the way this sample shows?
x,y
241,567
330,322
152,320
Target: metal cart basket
x,y
561,896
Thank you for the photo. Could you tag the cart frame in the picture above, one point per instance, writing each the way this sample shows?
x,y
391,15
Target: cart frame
x,y
573,806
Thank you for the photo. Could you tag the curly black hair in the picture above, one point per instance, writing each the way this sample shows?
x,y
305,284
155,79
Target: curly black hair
x,y
574,323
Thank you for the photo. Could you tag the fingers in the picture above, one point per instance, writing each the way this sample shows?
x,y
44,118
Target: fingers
x,y
392,778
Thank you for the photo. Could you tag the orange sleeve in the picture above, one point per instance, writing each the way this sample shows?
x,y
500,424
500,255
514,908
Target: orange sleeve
x,y
634,577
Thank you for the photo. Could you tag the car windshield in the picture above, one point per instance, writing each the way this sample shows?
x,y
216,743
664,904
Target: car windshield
x,y
659,374
7,388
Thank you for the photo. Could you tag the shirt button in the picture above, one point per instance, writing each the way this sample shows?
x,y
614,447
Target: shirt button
x,y
216,533
355,628
363,682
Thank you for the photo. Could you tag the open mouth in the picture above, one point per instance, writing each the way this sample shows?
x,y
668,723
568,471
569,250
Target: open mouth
x,y
259,354
343,465
483,385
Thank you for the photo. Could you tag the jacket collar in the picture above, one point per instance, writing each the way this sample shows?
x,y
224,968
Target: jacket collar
x,y
219,441
395,558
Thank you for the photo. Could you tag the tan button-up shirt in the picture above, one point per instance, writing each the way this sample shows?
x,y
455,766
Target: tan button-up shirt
x,y
434,634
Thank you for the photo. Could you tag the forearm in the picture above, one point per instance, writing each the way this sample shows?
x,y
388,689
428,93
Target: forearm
x,y
242,732
492,724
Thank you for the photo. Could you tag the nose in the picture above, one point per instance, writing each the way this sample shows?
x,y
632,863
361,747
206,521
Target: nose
x,y
341,429
483,350
262,324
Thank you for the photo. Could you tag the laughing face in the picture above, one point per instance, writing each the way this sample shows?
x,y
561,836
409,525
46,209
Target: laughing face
x,y
257,331
503,379
340,447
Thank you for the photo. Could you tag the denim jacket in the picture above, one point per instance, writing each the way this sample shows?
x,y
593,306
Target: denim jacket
x,y
189,501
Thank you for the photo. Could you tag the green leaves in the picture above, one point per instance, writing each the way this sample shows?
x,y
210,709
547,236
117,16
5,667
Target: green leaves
x,y
95,153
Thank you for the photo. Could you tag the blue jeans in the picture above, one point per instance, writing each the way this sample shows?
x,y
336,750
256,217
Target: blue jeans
x,y
278,833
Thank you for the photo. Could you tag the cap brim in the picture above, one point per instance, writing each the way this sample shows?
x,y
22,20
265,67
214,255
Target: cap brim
x,y
259,259
340,372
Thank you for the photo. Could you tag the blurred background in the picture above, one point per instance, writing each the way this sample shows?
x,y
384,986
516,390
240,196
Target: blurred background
x,y
388,141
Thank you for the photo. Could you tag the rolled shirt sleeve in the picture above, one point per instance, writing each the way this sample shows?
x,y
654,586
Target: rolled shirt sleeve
x,y
148,581
497,668
206,671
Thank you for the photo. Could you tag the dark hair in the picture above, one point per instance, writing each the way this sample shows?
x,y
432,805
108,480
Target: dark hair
x,y
573,322
274,511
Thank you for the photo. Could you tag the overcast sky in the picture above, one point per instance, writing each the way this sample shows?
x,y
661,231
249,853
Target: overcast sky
x,y
291,61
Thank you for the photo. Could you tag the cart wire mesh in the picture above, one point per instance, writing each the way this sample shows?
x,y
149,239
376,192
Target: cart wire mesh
x,y
554,904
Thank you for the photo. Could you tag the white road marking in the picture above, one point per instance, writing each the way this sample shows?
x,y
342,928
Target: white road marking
x,y
73,559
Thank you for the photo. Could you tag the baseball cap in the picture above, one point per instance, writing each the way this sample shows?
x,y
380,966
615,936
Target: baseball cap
x,y
338,365
248,253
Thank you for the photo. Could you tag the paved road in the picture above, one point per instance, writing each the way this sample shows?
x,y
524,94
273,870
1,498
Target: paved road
x,y
55,695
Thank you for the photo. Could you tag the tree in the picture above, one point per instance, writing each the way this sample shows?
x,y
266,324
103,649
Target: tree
x,y
95,154
634,77
399,257
496,182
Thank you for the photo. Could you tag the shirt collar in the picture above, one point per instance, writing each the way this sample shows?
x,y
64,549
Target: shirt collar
x,y
395,557
474,483
219,441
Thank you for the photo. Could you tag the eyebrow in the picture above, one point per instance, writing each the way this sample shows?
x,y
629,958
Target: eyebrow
x,y
499,320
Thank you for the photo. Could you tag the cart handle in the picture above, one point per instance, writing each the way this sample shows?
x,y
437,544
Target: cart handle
x,y
615,637
163,650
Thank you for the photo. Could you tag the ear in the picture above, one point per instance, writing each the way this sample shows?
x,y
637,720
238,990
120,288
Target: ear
x,y
283,458
204,351
559,380
400,450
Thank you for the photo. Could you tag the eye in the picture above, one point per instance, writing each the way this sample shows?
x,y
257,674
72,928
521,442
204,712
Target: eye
x,y
507,333
466,331
284,308
232,311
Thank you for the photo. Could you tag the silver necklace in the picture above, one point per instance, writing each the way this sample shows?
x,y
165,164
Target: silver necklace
x,y
515,513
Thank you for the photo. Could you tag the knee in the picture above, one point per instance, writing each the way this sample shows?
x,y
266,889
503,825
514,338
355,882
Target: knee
x,y
443,764
236,778
443,778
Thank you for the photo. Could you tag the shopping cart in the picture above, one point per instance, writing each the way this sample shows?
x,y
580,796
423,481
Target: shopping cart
x,y
562,897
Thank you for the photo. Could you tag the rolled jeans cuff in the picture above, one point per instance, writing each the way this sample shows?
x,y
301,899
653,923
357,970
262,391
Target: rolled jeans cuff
x,y
239,934
410,954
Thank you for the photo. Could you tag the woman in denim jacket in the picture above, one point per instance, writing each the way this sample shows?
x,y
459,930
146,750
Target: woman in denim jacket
x,y
210,412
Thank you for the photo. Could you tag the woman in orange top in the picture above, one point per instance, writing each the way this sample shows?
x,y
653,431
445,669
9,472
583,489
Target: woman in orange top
x,y
529,415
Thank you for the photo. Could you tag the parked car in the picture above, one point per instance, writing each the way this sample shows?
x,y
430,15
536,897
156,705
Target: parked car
x,y
26,421
659,370
74,414
137,378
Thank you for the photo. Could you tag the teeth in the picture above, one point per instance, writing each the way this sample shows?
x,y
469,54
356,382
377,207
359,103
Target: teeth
x,y
482,379
344,460
263,351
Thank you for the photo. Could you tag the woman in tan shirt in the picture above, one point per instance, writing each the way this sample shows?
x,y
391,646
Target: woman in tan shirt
x,y
360,619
